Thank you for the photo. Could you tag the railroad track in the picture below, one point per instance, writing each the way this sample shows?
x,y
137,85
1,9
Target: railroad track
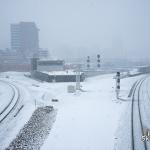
x,y
137,125
12,103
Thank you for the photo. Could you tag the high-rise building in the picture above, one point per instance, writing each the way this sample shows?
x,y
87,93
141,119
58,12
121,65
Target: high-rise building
x,y
25,38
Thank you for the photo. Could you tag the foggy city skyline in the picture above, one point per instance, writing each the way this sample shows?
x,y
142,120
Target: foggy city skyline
x,y
71,29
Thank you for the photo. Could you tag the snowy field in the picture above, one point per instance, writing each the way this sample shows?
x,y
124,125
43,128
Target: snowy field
x,y
86,120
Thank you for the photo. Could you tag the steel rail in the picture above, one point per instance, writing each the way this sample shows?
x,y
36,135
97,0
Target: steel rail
x,y
139,83
18,97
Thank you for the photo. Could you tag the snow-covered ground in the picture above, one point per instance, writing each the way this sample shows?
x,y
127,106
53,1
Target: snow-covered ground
x,y
6,94
11,126
86,120
89,120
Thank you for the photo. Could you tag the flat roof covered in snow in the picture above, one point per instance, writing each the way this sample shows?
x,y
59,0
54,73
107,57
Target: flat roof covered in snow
x,y
68,72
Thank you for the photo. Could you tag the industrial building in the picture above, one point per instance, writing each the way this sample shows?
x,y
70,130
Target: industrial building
x,y
53,71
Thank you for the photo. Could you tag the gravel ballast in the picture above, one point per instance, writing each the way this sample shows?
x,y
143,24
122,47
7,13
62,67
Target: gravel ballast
x,y
33,134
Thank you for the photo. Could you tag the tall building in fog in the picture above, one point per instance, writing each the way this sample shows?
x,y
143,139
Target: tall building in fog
x,y
25,38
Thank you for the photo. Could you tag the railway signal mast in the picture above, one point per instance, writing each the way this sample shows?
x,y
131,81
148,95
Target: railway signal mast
x,y
117,84
88,62
78,78
98,61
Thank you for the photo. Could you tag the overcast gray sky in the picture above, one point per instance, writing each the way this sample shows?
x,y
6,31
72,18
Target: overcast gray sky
x,y
115,28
